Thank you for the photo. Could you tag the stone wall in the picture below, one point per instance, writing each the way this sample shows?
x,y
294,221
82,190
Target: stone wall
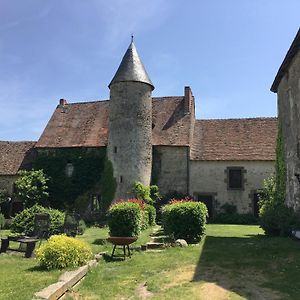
x,y
289,115
7,182
170,168
130,135
210,178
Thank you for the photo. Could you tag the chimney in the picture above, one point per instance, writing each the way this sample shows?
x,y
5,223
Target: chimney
x,y
62,102
188,99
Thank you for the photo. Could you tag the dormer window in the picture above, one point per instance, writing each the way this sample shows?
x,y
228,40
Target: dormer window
x,y
69,169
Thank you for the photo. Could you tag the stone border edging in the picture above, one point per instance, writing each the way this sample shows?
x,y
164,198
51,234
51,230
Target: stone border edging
x,y
66,281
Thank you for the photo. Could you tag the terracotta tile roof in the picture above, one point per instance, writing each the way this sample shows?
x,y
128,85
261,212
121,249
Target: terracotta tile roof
x,y
234,139
171,125
85,124
14,156
294,49
77,125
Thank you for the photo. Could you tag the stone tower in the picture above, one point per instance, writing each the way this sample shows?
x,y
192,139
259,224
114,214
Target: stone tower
x,y
130,124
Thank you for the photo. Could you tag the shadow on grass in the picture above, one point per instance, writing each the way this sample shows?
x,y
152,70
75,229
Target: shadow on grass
x,y
37,269
115,258
254,267
100,242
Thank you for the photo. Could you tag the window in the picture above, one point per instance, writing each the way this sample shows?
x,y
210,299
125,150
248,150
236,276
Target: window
x,y
69,169
115,149
235,180
121,179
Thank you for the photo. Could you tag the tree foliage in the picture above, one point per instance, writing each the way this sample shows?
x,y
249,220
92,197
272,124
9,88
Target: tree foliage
x,y
32,187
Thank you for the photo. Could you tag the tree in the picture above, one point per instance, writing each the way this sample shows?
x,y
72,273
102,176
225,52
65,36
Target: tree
x,y
32,188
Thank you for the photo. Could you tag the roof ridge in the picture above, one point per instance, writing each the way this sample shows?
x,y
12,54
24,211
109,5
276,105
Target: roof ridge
x,y
86,102
239,119
18,141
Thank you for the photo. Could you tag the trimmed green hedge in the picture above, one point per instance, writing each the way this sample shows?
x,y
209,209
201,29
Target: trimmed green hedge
x,y
151,211
185,220
125,219
24,221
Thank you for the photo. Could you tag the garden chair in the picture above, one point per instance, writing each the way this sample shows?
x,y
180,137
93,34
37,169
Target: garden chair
x,y
71,224
40,232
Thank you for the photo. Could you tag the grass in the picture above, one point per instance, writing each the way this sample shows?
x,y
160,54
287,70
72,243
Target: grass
x,y
20,277
232,262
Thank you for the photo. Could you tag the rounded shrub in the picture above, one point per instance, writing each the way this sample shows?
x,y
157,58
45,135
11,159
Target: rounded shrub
x,y
24,221
185,220
125,219
61,251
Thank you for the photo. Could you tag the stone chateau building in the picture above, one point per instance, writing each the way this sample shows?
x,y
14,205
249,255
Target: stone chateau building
x,y
215,161
287,86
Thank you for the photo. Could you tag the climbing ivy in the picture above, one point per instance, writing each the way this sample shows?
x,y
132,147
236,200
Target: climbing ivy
x,y
280,170
88,164
108,184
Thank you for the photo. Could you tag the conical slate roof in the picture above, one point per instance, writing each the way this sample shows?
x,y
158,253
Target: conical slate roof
x,y
131,68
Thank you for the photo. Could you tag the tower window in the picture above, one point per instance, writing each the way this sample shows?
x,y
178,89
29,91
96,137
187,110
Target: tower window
x,y
115,149
121,179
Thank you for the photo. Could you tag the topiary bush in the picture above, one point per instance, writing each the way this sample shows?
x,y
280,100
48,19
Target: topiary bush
x,y
185,220
61,251
151,211
124,219
24,221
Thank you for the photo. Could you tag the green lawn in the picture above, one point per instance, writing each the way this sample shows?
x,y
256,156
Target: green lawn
x,y
20,277
231,262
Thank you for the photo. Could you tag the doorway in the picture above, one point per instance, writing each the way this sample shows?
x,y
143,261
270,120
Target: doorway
x,y
208,201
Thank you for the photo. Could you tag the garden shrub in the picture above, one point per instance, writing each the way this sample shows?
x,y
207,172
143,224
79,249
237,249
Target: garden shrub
x,y
149,194
275,217
61,252
24,221
185,220
125,219
229,215
151,211
2,221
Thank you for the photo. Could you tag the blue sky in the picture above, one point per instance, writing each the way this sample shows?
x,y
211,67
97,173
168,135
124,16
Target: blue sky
x,y
227,51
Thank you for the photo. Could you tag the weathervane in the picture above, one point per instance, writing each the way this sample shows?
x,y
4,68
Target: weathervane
x,y
132,38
